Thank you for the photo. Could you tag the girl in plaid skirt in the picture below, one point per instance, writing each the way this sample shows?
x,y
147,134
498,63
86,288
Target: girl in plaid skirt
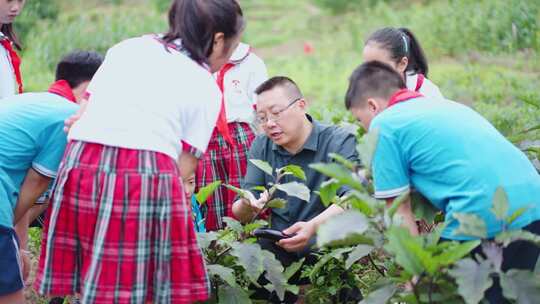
x,y
119,229
226,157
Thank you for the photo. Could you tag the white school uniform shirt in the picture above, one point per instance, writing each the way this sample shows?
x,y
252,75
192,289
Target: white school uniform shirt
x,y
240,82
8,83
428,88
147,98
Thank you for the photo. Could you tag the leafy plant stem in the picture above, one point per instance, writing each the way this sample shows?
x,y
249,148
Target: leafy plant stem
x,y
375,265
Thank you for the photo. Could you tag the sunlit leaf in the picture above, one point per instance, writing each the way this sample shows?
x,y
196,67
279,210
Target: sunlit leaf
x,y
347,228
456,252
294,170
295,189
328,191
521,285
359,252
470,225
224,273
206,191
381,295
277,203
248,228
250,256
473,279
241,192
264,166
500,204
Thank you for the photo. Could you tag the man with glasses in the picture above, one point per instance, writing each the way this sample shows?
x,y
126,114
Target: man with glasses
x,y
291,137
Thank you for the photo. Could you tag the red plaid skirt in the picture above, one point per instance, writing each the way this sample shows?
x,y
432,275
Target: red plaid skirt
x,y
119,230
227,164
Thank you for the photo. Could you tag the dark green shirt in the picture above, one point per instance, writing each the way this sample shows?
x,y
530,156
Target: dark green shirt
x,y
324,139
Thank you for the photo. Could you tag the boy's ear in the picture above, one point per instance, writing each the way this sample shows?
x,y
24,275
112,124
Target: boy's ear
x,y
372,105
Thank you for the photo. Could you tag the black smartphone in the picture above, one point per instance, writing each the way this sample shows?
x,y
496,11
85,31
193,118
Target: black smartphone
x,y
271,234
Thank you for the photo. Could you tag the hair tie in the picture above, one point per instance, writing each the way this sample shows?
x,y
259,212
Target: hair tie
x,y
405,43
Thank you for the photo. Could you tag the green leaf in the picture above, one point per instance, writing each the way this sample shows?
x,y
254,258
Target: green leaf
x,y
408,251
293,268
274,273
396,203
516,214
423,208
295,189
248,228
263,166
294,170
334,254
473,279
359,252
456,252
241,192
366,147
206,191
470,225
507,237
500,204
521,285
381,295
339,173
343,161
346,228
206,238
250,256
232,295
277,203
233,224
224,273
328,191
258,188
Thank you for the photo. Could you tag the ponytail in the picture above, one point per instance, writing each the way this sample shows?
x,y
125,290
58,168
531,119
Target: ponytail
x,y
7,30
400,42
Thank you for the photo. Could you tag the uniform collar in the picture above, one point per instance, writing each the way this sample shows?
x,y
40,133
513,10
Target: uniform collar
x,y
241,52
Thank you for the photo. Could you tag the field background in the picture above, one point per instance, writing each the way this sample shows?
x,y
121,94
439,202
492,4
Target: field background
x,y
483,53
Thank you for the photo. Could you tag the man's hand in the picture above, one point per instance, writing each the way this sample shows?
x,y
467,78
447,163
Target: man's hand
x,y
68,123
245,209
304,232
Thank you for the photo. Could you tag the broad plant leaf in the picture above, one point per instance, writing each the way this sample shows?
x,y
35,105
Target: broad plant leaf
x,y
521,285
343,161
470,225
500,204
224,273
339,173
510,236
277,203
206,191
366,147
347,228
241,192
293,268
295,189
294,170
328,191
494,254
408,251
274,273
456,252
359,252
263,166
232,295
381,295
473,279
233,224
250,256
423,208
206,238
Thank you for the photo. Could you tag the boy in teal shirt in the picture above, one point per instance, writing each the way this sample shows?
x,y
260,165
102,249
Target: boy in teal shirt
x,y
32,143
450,154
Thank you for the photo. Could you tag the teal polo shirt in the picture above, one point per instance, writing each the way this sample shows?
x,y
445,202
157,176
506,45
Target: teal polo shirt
x,y
31,136
456,159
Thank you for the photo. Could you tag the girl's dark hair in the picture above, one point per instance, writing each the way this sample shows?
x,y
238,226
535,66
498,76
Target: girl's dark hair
x,y
7,29
196,22
400,42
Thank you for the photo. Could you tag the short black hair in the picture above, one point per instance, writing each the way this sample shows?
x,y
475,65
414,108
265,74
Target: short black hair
x,y
282,82
372,79
78,67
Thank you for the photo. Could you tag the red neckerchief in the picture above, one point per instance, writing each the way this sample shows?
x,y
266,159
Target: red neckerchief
x,y
419,82
15,61
402,95
222,125
62,88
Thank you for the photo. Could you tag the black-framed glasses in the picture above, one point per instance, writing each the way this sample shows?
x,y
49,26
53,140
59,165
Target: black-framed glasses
x,y
275,116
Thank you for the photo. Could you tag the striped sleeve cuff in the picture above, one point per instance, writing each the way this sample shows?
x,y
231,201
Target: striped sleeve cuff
x,y
186,147
391,193
44,171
